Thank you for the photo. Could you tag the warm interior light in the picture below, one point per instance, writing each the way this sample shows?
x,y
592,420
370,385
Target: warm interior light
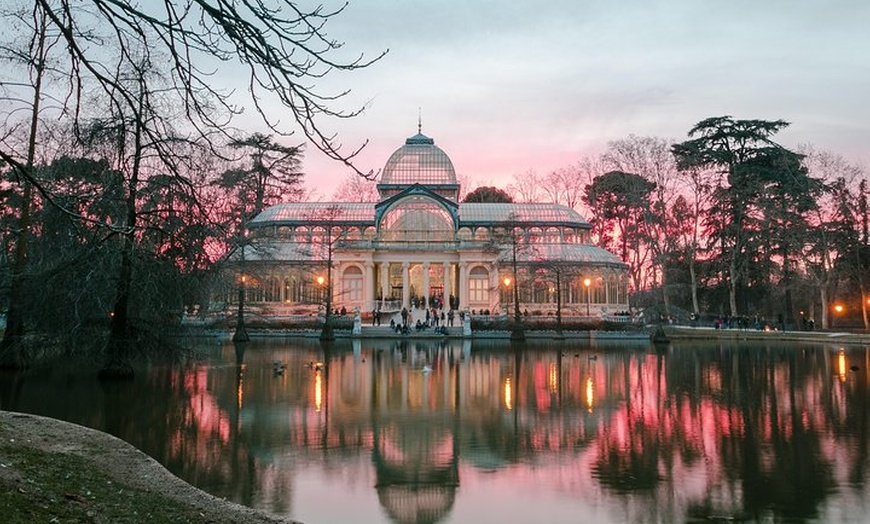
x,y
318,391
590,394
841,365
587,282
320,280
839,308
508,399
507,281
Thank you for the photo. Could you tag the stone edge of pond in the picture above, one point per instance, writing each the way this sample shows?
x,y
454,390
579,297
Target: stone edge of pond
x,y
120,460
819,337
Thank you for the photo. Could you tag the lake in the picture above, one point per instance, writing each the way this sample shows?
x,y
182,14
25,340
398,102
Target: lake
x,y
450,432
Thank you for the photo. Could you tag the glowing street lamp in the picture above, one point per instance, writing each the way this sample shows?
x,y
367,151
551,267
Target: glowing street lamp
x,y
838,309
587,282
320,280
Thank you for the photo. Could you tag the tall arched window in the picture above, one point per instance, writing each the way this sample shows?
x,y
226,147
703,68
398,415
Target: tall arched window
x,y
416,219
478,284
271,291
352,285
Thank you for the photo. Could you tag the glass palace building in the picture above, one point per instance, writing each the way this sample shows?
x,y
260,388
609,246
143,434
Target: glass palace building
x,y
419,246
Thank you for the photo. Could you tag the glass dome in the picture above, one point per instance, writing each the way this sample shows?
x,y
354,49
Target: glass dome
x,y
419,161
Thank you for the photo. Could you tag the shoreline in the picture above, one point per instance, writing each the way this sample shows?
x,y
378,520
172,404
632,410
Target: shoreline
x,y
819,337
55,469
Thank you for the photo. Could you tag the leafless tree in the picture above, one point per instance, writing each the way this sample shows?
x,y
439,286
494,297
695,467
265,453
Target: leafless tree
x,y
356,189
526,187
825,251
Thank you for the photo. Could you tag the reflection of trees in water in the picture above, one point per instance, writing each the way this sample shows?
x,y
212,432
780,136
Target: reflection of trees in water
x,y
769,414
696,432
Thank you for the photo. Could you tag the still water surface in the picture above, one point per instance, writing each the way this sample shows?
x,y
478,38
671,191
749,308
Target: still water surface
x,y
560,432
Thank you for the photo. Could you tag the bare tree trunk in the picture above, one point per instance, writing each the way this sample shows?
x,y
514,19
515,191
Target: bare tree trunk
x,y
693,277
665,298
823,293
11,353
864,310
116,365
732,286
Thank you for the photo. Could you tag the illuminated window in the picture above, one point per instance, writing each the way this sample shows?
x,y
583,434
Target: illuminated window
x,y
352,284
478,285
417,219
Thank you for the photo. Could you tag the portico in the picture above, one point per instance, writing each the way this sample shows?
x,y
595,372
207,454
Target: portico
x,y
418,246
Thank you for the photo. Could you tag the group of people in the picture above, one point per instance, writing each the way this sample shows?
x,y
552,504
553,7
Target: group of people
x,y
419,321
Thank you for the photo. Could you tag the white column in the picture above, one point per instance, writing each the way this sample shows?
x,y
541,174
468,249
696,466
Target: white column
x,y
447,285
462,292
426,283
385,279
369,287
494,295
406,285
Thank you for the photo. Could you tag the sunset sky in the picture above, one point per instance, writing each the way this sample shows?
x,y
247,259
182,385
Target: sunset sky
x,y
505,87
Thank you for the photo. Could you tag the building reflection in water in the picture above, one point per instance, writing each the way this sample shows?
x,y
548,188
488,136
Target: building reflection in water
x,y
700,432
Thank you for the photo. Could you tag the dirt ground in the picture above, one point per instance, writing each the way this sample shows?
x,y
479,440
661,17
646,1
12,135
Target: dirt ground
x,y
137,480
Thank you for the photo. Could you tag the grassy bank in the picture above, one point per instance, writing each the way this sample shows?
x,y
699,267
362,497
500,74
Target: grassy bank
x,y
53,471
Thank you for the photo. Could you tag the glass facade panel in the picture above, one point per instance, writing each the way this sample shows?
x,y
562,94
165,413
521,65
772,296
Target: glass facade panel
x,y
478,289
416,219
418,228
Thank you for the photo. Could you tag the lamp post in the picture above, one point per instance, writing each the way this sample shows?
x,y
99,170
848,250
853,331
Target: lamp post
x,y
325,284
507,286
517,333
587,282
241,333
838,309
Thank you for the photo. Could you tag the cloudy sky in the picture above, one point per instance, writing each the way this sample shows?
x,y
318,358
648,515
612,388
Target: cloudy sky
x,y
508,86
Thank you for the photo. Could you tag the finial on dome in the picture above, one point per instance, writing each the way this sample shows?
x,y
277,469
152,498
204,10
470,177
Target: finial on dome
x,y
420,120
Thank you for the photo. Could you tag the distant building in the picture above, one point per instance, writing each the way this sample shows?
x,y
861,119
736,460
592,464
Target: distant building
x,y
419,246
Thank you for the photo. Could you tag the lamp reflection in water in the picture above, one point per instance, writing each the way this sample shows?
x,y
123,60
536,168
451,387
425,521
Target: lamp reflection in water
x,y
553,378
240,390
318,391
841,364
590,394
508,394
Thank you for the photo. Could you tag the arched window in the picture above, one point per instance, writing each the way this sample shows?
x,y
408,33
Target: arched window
x,y
352,284
613,290
271,291
417,219
290,291
598,291
478,284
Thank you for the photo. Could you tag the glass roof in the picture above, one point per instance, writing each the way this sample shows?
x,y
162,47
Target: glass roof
x,y
419,161
469,214
284,251
571,253
314,212
481,214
